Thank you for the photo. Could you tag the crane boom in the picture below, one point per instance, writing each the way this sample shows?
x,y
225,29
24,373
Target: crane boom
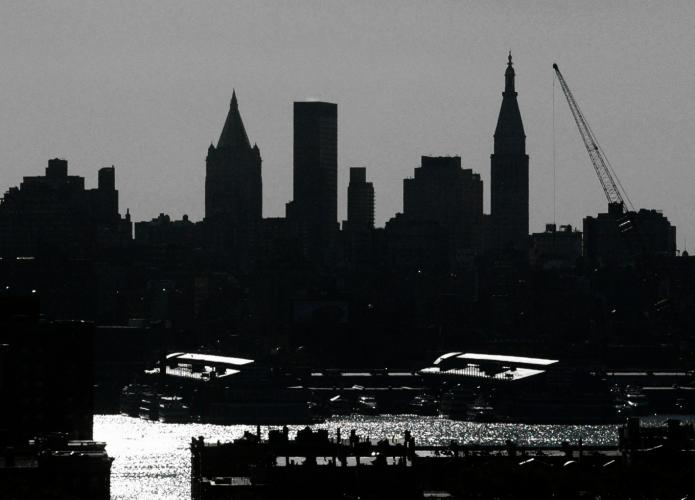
x,y
598,159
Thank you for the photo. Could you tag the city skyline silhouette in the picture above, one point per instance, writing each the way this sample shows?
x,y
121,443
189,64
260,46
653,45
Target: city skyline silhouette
x,y
429,86
327,249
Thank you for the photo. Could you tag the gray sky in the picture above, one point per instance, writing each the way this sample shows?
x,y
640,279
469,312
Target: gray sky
x,y
146,86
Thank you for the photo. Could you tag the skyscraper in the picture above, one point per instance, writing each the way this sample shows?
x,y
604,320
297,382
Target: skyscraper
x,y
233,186
358,230
314,210
509,173
443,192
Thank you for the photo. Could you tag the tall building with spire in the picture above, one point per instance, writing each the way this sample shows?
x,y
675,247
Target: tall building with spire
x,y
509,173
233,185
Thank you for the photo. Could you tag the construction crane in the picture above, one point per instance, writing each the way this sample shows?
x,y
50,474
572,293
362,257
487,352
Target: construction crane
x,y
623,212
618,202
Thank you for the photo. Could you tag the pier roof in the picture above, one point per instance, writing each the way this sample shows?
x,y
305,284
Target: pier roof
x,y
209,358
508,359
491,366
476,371
501,358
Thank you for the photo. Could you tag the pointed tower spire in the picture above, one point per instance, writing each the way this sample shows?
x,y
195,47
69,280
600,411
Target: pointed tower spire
x,y
509,193
509,76
509,134
233,133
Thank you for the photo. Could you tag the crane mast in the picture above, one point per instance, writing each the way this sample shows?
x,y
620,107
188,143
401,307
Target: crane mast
x,y
598,159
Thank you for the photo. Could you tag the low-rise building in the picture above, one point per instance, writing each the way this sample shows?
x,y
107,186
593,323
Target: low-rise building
x,y
556,247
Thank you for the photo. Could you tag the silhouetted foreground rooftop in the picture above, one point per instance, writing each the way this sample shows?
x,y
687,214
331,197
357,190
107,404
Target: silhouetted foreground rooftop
x,y
56,468
650,462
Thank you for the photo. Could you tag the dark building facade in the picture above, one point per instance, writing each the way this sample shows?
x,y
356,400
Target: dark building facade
x,y
444,193
55,213
313,213
234,188
358,230
164,231
509,173
604,245
46,373
360,200
47,385
415,245
555,247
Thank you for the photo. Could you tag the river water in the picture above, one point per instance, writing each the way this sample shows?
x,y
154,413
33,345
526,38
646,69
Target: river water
x,y
152,459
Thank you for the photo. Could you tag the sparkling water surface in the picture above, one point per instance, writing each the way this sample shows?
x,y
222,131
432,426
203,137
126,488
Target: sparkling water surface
x,y
152,459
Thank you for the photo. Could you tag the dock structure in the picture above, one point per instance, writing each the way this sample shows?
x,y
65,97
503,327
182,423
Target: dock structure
x,y
655,460
55,467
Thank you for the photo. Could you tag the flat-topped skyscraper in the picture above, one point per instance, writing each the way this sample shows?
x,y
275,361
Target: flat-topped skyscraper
x,y
314,210
509,173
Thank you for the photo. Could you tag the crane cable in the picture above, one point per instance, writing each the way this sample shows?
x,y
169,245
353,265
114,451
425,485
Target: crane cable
x,y
554,157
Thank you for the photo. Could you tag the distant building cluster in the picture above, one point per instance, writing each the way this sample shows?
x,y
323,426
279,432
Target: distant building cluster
x,y
57,212
442,223
440,263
